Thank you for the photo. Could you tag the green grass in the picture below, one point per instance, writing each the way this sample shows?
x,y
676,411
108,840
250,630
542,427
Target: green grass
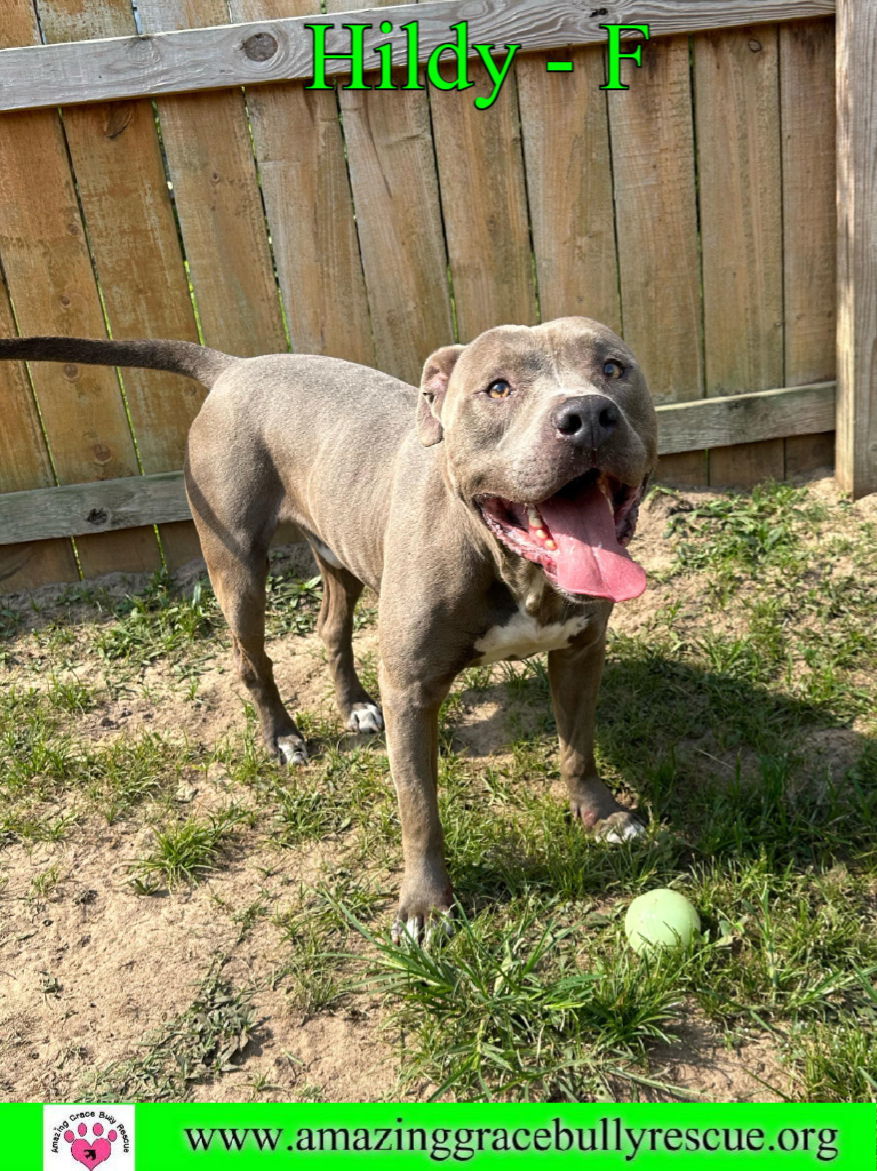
x,y
50,778
741,718
838,1062
188,851
733,535
511,1007
198,1045
162,623
158,623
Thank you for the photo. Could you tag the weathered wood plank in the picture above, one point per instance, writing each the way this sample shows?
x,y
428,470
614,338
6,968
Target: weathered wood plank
x,y
395,192
857,246
569,183
808,453
134,243
809,191
687,470
160,499
101,507
734,419
46,259
300,155
809,220
738,142
656,220
24,465
196,59
488,235
210,161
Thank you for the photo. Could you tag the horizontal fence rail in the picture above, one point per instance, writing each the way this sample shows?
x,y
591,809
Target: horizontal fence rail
x,y
256,52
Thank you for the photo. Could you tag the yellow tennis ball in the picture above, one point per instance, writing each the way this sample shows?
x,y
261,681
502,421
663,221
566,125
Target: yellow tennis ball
x,y
660,918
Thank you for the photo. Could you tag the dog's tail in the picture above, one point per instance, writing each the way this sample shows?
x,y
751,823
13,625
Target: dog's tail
x,y
198,362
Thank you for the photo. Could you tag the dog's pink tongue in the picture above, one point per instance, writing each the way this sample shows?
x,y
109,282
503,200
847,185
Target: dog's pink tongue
x,y
589,558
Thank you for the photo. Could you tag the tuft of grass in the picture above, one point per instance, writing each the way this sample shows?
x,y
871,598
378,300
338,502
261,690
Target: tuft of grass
x,y
737,534
330,906
10,622
42,885
71,695
189,851
519,1012
838,1062
49,777
204,1041
293,605
158,623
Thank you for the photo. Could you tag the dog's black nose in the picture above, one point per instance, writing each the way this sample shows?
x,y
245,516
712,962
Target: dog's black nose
x,y
586,422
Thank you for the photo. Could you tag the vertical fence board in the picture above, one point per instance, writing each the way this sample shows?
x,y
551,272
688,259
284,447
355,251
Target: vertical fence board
x,y
206,138
52,286
569,183
300,155
809,235
807,453
484,203
688,469
809,230
133,239
395,193
857,246
656,218
738,146
24,463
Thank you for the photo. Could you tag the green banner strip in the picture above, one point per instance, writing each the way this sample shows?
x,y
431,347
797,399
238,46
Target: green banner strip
x,y
186,1136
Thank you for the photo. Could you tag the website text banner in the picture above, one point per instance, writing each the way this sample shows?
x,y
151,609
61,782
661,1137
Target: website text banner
x,y
184,1136
595,1136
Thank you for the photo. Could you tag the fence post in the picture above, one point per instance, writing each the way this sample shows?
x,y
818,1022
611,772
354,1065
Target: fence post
x,y
856,455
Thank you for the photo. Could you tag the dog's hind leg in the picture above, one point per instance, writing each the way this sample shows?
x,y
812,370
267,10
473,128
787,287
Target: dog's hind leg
x,y
335,626
239,583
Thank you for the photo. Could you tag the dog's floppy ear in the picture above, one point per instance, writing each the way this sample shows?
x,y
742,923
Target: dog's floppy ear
x,y
437,370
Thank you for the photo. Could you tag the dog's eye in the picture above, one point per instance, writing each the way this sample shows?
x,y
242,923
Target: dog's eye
x,y
613,369
499,388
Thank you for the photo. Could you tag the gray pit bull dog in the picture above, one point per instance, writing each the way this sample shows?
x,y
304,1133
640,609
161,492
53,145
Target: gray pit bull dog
x,y
490,510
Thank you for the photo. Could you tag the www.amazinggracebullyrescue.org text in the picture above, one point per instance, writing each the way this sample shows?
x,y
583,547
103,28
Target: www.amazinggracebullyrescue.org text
x,y
461,1144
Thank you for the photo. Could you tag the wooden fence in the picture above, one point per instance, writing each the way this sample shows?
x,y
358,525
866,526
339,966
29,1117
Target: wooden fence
x,y
164,172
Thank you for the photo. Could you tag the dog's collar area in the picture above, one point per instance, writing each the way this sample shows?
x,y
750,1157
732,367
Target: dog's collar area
x,y
578,536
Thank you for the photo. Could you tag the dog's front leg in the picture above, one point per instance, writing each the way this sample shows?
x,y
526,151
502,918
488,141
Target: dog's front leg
x,y
574,675
411,719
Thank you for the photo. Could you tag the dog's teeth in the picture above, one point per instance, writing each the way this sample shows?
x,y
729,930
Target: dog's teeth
x,y
551,543
540,534
534,518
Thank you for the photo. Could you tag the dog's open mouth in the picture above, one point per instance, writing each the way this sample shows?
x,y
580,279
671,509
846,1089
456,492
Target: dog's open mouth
x,y
578,535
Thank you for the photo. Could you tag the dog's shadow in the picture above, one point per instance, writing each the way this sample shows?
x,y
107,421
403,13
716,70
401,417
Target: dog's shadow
x,y
723,766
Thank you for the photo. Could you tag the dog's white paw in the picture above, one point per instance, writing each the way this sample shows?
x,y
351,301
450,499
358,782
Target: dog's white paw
x,y
619,828
291,750
423,930
365,717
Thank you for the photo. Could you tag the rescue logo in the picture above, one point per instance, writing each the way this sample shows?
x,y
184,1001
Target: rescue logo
x,y
88,1136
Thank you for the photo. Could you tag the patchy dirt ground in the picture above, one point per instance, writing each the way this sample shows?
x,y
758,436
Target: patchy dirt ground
x,y
94,972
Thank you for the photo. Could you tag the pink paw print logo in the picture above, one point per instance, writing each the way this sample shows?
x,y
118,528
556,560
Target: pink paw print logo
x,y
90,1151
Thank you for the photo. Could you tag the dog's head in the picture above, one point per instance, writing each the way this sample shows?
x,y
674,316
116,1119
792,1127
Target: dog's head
x,y
550,435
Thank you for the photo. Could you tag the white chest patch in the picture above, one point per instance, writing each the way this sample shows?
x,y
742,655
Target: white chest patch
x,y
523,636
